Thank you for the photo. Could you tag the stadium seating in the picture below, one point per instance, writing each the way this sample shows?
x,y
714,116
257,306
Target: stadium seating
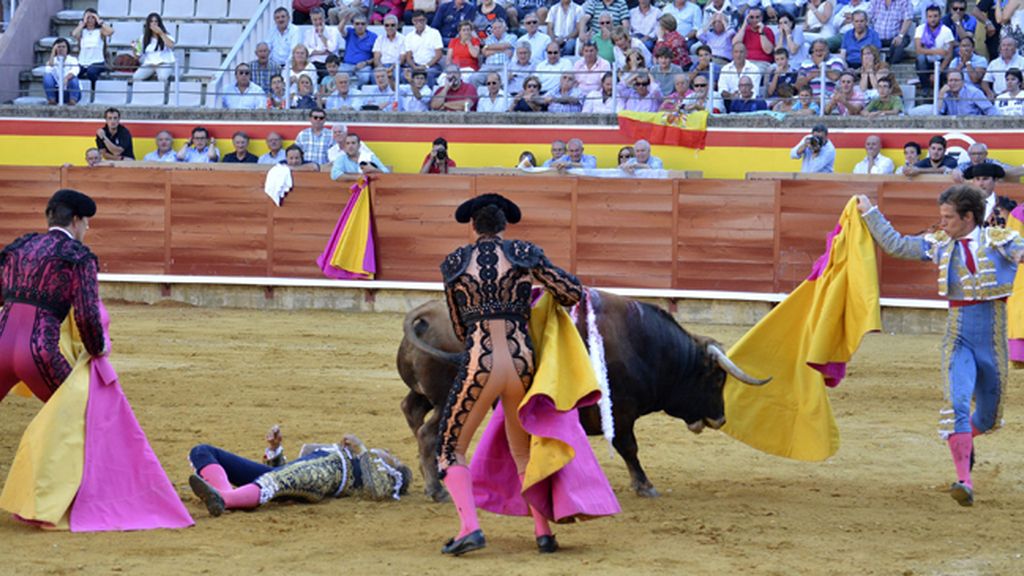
x,y
112,9
148,93
111,92
142,8
212,9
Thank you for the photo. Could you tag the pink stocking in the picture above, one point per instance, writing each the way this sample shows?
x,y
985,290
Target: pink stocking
x,y
459,483
960,446
247,496
216,476
540,523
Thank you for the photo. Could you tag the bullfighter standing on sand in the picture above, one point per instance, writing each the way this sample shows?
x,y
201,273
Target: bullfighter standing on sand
x,y
977,267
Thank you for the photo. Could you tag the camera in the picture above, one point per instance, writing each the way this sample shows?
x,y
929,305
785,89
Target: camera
x,y
816,142
442,154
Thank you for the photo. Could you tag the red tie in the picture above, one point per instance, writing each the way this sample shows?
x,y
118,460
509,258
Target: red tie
x,y
968,257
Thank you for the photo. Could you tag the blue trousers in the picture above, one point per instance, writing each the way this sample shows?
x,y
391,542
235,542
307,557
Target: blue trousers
x,y
71,91
975,358
240,471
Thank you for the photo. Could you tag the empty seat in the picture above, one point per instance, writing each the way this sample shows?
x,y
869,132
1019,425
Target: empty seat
x,y
179,9
193,34
113,8
243,9
86,92
189,94
114,92
203,63
30,101
212,9
225,35
125,33
148,93
143,8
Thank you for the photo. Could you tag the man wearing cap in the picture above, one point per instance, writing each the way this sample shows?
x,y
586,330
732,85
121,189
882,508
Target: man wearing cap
x,y
976,268
42,277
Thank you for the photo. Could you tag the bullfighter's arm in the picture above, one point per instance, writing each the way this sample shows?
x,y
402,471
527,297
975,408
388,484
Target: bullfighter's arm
x,y
564,287
1007,242
87,307
894,243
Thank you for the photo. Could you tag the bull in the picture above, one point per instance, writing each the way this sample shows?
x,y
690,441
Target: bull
x,y
653,364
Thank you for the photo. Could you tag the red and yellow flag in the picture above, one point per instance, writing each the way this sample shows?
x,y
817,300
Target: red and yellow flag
x,y
666,128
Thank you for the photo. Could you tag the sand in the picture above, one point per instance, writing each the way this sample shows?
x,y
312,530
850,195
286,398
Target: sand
x,y
224,376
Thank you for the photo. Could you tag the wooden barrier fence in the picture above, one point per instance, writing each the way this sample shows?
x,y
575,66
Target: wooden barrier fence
x,y
758,235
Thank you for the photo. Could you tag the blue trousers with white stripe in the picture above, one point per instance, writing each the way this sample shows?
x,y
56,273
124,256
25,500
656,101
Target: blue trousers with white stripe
x,y
974,355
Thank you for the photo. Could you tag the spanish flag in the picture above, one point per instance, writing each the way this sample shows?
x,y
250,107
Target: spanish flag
x,y
666,128
804,345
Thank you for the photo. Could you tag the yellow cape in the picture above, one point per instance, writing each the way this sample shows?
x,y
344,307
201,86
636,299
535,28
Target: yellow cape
x,y
1015,305
821,322
350,253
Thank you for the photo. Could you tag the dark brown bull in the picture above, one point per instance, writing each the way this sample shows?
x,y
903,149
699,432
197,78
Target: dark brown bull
x,y
653,365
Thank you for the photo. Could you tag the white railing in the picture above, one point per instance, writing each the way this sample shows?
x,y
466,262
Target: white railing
x,y
257,30
8,16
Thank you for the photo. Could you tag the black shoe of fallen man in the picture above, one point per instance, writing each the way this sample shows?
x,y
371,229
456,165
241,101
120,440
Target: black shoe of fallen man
x,y
962,493
547,544
473,541
208,494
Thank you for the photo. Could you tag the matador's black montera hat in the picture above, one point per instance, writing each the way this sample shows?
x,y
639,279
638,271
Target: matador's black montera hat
x,y
466,210
80,204
986,169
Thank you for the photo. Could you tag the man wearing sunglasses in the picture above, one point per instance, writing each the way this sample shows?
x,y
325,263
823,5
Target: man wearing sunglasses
x,y
538,40
959,21
244,95
640,95
389,48
315,140
551,69
359,42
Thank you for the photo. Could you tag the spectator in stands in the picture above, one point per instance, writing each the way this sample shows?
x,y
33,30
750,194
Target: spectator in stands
x,y
551,68
464,49
300,65
530,98
643,23
911,155
937,162
601,101
668,38
871,69
244,95
805,104
164,149
113,139
746,100
892,20
200,148
437,161
625,44
688,16
527,160
716,7
848,99
498,48
977,153
703,98
970,64
380,95
758,39
842,22
642,158
322,41
702,65
62,74
241,155
487,13
785,101
450,15
638,95
283,38
574,157
557,153
626,153
379,9
729,77
491,97
519,7
423,48
263,70
815,152
275,154
454,95
567,99
351,162
818,20
717,36
589,69
590,23
665,71
933,42
92,158
326,84
994,81
157,50
985,12
676,96
520,68
415,96
344,97
338,133
886,104
359,43
277,98
563,25
91,34
345,10
790,36
315,140
776,9
537,40
389,49
957,98
304,96
858,37
959,21
810,70
874,162
781,74
296,160
1011,102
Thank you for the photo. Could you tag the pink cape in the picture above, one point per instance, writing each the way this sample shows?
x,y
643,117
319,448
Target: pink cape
x,y
369,258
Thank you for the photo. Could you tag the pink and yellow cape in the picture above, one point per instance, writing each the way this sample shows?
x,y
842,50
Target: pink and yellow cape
x,y
349,254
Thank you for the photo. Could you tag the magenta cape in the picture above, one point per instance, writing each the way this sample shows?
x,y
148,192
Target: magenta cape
x,y
350,254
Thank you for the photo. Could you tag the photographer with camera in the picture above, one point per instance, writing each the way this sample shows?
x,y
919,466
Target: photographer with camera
x,y
815,152
437,162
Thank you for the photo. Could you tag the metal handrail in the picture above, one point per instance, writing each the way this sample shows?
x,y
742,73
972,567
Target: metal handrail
x,y
255,31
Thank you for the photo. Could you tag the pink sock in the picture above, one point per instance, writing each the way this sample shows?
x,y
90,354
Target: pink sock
x,y
540,523
247,496
216,476
960,446
459,483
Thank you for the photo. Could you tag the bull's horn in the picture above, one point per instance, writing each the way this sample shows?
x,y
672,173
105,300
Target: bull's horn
x,y
734,370
453,358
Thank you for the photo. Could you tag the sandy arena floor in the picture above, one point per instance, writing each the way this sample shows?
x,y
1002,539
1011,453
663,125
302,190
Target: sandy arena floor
x,y
224,376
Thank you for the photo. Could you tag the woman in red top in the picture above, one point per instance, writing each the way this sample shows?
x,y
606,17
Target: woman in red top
x,y
674,41
464,49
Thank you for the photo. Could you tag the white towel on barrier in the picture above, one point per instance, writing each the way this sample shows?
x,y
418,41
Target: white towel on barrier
x,y
278,183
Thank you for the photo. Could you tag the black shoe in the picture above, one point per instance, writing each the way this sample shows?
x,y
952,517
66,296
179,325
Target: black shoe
x,y
972,460
473,541
547,544
962,493
208,494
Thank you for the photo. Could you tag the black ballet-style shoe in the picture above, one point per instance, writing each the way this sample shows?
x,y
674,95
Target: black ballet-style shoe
x,y
473,541
547,544
208,494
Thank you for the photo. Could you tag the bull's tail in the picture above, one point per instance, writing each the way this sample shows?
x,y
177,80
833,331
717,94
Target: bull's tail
x,y
414,326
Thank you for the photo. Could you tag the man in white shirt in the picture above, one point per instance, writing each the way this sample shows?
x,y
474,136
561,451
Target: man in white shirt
x,y
643,23
164,149
874,162
389,47
322,40
492,97
550,70
283,38
563,22
423,47
729,78
688,18
538,40
244,95
994,82
276,153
